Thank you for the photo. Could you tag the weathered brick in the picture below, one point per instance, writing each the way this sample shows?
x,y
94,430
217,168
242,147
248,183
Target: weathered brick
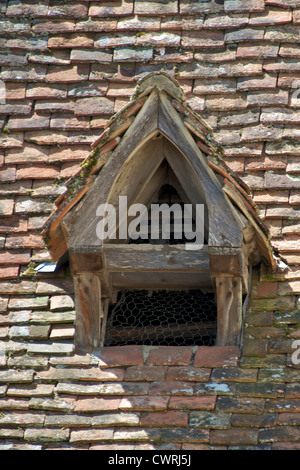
x,y
207,419
218,356
152,7
203,87
48,349
253,420
67,421
233,375
140,23
171,388
68,74
127,54
280,97
189,373
225,102
145,373
83,55
121,356
46,435
77,10
12,376
28,302
109,9
202,39
92,374
27,9
170,356
241,405
238,436
94,107
144,403
244,34
245,51
185,435
6,207
137,434
244,5
22,419
88,405
279,433
30,390
39,172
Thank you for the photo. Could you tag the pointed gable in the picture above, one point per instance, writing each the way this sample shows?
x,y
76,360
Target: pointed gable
x,y
157,125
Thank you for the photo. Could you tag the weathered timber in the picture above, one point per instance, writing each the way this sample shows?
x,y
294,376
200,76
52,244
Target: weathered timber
x,y
155,258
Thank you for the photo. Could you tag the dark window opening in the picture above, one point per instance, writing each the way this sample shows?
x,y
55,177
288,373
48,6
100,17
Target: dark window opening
x,y
167,195
162,318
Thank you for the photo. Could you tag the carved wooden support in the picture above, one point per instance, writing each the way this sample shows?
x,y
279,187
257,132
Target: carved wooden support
x,y
88,310
229,302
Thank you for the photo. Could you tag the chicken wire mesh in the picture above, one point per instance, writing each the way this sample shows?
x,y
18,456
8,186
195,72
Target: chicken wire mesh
x,y
162,318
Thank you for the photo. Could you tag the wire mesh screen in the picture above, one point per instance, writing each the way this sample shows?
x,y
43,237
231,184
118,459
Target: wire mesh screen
x,y
162,318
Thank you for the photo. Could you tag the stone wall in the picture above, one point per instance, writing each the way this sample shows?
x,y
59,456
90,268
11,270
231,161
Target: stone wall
x,y
67,67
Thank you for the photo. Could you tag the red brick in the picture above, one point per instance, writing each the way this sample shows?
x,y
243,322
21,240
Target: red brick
x,y
216,356
192,403
172,356
37,172
165,419
144,403
231,437
95,405
121,356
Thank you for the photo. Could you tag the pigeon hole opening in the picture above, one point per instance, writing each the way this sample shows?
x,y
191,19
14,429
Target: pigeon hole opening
x,y
162,318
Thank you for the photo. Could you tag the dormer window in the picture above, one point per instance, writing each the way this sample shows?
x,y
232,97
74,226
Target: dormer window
x,y
158,151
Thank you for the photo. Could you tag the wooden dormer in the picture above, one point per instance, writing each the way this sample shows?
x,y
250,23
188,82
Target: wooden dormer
x,y
153,141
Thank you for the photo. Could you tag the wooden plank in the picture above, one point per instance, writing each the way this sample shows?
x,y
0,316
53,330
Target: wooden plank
x,y
84,236
229,302
144,257
105,307
88,310
156,280
223,230
263,243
